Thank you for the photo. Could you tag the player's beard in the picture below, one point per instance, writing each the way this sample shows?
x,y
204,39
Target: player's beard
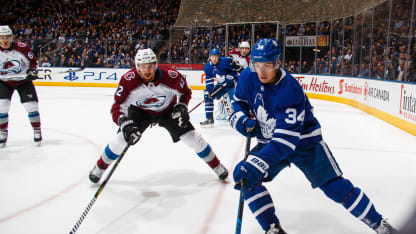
x,y
148,76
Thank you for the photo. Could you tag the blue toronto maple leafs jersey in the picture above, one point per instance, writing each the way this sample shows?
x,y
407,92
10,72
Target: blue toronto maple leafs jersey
x,y
283,113
219,72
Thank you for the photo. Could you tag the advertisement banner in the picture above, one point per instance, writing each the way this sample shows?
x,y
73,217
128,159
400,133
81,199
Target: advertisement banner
x,y
393,102
306,41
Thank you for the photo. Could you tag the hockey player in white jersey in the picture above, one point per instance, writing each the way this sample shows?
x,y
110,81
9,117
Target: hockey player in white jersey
x,y
240,56
148,95
272,102
17,59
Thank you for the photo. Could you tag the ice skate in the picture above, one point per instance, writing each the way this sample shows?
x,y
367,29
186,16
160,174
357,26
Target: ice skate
x,y
3,138
37,136
209,123
385,228
95,174
221,172
275,229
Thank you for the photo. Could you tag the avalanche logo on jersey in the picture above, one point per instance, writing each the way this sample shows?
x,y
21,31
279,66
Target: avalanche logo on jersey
x,y
150,103
11,67
173,74
266,125
129,76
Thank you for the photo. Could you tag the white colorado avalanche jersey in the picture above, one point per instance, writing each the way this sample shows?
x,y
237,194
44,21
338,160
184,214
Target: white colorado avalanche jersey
x,y
157,97
15,61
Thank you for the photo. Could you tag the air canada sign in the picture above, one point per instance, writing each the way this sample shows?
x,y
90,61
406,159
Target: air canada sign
x,y
376,93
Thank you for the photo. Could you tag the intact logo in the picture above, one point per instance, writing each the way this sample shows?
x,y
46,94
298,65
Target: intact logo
x,y
154,102
407,104
11,67
71,76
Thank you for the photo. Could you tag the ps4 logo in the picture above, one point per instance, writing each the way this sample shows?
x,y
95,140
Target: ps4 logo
x,y
71,76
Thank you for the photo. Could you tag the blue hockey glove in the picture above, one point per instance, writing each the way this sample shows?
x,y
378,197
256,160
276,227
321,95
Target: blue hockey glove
x,y
253,170
131,131
180,112
243,124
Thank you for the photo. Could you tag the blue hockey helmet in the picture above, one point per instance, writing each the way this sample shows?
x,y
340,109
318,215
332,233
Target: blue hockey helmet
x,y
214,51
265,50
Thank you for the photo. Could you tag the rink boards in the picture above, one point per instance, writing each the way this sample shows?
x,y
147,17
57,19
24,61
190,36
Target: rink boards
x,y
393,102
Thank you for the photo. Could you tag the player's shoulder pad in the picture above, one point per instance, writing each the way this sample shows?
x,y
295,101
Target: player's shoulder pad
x,y
169,72
290,93
24,48
226,59
130,76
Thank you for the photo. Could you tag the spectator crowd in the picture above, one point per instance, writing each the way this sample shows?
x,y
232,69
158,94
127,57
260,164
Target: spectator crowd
x,y
99,34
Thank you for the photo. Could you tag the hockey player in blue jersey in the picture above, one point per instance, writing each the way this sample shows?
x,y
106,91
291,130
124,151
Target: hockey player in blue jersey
x,y
218,68
270,104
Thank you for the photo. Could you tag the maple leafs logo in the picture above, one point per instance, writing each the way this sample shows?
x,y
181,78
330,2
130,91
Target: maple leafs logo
x,y
266,125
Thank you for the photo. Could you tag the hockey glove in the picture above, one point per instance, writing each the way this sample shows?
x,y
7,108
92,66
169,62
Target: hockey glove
x,y
243,124
131,131
32,74
252,171
180,112
236,66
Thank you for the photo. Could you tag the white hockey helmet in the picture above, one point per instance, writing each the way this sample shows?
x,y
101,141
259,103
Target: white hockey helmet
x,y
5,30
244,44
145,56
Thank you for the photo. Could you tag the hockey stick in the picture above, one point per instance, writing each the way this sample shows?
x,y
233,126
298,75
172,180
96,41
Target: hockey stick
x,y
100,189
22,77
210,95
242,190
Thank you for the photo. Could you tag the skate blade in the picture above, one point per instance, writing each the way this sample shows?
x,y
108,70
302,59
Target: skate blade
x,y
207,126
2,145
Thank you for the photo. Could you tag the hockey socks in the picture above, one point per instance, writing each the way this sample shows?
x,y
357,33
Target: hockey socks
x,y
34,119
107,158
4,121
354,200
261,205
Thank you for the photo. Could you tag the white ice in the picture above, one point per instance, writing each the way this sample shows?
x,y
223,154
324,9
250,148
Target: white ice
x,y
161,187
